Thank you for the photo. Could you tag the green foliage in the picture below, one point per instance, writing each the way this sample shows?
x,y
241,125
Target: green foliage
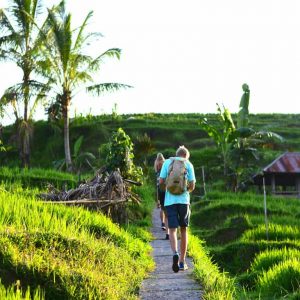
x,y
140,216
120,156
36,177
221,133
267,259
69,252
239,144
20,44
47,144
280,280
216,284
243,114
80,159
15,293
275,232
233,227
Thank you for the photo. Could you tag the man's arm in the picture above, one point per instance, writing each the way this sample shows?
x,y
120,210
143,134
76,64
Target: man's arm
x,y
191,186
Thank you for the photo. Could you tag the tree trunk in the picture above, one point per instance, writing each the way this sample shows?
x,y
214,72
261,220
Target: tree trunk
x,y
25,127
65,108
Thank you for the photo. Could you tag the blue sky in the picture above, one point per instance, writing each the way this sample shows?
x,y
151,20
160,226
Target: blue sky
x,y
186,56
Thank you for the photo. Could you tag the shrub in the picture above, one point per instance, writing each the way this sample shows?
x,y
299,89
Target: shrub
x,y
120,156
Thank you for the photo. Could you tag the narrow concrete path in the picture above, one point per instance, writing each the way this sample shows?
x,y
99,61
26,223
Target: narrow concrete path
x,y
163,283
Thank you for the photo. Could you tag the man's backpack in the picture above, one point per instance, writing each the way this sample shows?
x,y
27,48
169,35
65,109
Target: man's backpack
x,y
176,182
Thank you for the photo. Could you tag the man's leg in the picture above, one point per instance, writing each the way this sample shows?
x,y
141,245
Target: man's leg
x,y
184,217
173,239
173,224
183,243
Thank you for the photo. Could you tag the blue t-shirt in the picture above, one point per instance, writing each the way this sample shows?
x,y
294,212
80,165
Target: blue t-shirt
x,y
184,198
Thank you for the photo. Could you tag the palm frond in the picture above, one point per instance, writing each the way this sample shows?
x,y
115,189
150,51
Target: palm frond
x,y
5,24
63,39
268,135
110,53
99,89
80,40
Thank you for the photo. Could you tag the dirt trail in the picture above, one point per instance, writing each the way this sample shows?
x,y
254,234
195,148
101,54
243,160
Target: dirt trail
x,y
163,283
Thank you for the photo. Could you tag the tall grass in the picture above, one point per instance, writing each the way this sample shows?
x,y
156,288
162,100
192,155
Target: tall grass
x,y
216,284
15,293
281,279
233,226
276,232
70,252
36,177
266,259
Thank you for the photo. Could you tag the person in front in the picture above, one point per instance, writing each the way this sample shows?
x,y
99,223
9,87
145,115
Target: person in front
x,y
177,177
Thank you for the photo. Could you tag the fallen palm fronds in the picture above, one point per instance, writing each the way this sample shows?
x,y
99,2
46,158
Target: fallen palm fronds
x,y
108,192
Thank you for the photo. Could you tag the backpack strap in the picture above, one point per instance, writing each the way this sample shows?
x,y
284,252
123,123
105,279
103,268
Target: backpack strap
x,y
171,165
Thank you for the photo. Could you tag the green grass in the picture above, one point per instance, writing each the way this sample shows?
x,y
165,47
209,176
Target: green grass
x,y
216,284
70,253
233,227
281,280
275,232
36,177
265,260
15,293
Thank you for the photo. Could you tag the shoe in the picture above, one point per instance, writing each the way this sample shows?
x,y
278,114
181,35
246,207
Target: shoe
x,y
163,226
175,266
182,266
167,237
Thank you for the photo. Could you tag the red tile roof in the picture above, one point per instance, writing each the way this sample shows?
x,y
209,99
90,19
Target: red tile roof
x,y
288,162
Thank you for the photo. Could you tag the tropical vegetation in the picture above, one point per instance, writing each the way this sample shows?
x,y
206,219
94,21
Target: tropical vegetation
x,y
20,44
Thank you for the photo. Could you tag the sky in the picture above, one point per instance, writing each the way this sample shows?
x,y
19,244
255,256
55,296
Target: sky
x,y
187,56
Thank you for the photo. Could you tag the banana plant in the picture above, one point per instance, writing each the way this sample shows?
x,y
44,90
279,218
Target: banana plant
x,y
221,132
238,144
80,159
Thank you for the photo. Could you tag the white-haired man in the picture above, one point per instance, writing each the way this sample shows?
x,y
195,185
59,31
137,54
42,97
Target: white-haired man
x,y
177,202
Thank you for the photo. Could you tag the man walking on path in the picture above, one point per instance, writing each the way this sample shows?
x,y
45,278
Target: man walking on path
x,y
178,177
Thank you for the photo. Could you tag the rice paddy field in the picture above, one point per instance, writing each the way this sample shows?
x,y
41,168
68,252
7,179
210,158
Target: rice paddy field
x,y
259,261
50,251
57,252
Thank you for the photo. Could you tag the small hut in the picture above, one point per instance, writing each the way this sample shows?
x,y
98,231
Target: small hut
x,y
283,175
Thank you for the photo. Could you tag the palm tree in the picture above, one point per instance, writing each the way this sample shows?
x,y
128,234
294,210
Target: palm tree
x,y
66,65
19,43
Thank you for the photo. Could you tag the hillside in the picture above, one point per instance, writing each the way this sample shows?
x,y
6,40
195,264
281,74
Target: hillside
x,y
233,228
67,253
166,131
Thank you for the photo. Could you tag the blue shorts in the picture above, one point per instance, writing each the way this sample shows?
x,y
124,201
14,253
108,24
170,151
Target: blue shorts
x,y
178,215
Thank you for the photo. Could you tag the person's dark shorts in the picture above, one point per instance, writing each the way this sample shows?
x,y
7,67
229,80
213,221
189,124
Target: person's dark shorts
x,y
178,215
161,197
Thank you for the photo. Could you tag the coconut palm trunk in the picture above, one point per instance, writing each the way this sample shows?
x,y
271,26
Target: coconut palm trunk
x,y
65,111
25,127
68,68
